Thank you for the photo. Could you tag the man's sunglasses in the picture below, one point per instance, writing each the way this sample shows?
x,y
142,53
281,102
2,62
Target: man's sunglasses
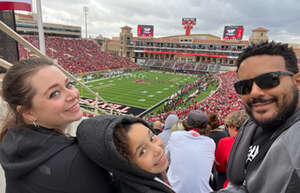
x,y
264,81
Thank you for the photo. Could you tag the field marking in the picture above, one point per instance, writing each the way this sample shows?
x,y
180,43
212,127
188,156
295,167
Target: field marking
x,y
147,94
174,79
142,100
166,88
144,92
104,86
151,95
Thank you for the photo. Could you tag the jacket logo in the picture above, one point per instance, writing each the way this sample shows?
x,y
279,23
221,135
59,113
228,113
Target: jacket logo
x,y
252,153
45,170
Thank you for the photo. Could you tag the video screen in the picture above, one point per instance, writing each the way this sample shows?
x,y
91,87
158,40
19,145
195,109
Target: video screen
x,y
145,30
233,32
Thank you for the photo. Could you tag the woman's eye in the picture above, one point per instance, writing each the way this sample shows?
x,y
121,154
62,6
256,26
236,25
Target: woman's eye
x,y
70,84
54,94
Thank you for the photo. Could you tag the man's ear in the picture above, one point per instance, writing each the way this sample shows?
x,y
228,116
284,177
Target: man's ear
x,y
297,80
26,114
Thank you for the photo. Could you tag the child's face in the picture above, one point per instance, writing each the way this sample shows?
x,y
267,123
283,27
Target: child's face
x,y
147,150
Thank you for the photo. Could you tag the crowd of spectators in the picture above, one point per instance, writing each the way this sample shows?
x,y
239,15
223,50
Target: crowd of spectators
x,y
78,55
187,93
178,66
222,102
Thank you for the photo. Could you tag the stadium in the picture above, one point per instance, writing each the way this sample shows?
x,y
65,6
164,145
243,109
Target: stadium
x,y
142,75
156,70
177,62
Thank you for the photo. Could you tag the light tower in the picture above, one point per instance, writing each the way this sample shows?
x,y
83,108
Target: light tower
x,y
188,24
85,11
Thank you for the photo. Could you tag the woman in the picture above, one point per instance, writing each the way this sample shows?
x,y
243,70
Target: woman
x,y
35,153
128,147
215,132
233,122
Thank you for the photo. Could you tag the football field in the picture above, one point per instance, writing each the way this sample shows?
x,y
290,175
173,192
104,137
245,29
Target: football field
x,y
139,89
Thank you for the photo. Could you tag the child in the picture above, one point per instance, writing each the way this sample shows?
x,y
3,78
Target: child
x,y
128,148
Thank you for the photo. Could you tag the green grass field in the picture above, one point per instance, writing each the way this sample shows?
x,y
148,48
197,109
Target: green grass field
x,y
144,94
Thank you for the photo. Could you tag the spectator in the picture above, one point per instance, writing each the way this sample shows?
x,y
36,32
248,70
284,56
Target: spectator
x,y
233,122
177,126
215,132
166,133
128,147
157,126
265,156
191,156
35,153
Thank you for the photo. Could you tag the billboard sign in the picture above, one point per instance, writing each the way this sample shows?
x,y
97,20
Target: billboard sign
x,y
188,20
145,30
233,32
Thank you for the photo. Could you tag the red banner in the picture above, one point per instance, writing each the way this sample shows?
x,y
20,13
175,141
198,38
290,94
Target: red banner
x,y
24,5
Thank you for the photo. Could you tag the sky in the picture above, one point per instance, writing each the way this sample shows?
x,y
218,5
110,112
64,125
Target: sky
x,y
106,17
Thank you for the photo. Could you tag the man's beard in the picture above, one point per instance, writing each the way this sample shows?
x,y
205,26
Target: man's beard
x,y
284,112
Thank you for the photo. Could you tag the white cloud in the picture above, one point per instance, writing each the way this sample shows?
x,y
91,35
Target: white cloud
x,y
106,17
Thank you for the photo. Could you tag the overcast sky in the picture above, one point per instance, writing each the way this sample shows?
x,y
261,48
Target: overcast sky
x,y
105,17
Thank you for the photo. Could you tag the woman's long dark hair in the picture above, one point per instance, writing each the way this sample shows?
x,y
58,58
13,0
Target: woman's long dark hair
x,y
17,91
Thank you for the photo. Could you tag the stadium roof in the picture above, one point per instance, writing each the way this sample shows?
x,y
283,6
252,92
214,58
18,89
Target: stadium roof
x,y
260,29
126,27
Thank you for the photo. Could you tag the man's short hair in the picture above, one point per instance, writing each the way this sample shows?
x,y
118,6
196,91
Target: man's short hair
x,y
273,49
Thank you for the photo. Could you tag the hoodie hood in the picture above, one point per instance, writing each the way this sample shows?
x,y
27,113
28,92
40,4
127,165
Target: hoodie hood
x,y
95,138
171,119
25,149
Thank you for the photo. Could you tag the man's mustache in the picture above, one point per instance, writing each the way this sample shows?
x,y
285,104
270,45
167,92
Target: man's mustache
x,y
259,100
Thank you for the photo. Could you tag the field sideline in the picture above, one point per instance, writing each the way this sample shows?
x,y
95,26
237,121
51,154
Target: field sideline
x,y
139,89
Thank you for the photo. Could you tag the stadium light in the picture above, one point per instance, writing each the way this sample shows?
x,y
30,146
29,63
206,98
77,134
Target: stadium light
x,y
85,11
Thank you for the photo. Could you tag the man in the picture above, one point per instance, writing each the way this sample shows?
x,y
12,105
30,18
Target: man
x,y
157,126
191,155
166,132
265,157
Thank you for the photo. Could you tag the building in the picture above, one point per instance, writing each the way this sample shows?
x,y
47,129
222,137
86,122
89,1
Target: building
x,y
193,50
27,25
259,35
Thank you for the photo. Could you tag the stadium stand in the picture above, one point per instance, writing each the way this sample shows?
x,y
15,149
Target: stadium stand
x,y
222,102
78,55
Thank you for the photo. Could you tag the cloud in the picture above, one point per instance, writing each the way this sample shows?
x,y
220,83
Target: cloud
x,y
106,17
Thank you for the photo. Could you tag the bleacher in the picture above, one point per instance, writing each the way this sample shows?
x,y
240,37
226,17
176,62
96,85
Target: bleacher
x,y
222,102
78,55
